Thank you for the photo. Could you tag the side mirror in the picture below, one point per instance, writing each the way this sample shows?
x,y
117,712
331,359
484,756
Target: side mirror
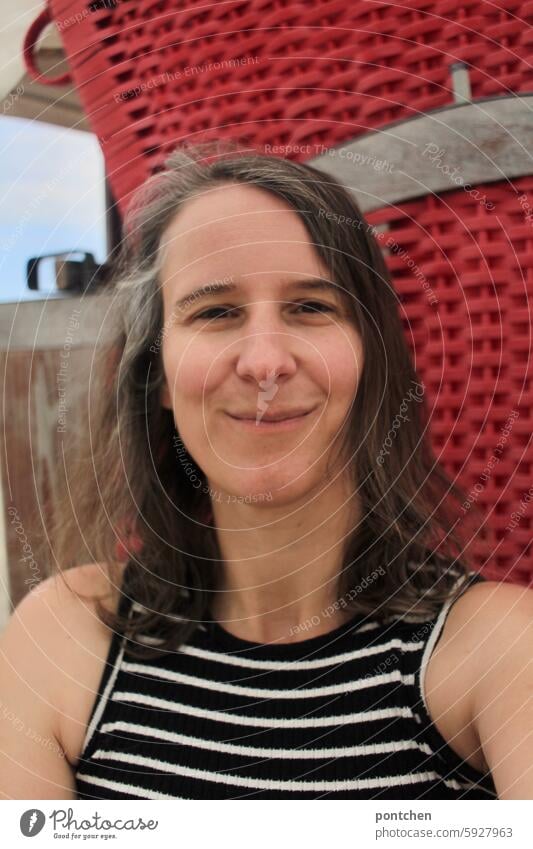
x,y
71,275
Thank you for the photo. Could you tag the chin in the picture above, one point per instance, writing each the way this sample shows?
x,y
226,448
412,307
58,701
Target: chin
x,y
274,486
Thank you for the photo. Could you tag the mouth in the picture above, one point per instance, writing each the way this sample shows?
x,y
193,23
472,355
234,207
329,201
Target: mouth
x,y
265,425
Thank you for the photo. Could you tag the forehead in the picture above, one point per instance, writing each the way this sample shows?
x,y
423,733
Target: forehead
x,y
239,229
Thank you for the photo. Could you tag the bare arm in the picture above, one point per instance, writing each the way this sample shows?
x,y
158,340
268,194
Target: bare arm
x,y
503,688
32,762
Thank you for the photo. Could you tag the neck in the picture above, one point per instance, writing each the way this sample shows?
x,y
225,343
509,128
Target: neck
x,y
280,566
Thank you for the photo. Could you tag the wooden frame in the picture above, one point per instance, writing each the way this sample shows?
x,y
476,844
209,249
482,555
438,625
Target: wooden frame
x,y
485,141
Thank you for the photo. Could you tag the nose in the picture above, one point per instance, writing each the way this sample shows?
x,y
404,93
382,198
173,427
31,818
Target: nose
x,y
266,355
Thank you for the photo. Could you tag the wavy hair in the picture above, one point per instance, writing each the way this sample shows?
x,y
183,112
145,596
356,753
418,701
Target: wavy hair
x,y
131,493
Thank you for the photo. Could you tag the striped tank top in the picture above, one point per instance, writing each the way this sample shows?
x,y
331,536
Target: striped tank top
x,y
339,716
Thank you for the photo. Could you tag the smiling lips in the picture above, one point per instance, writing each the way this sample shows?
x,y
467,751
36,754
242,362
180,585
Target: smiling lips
x,y
278,416
272,421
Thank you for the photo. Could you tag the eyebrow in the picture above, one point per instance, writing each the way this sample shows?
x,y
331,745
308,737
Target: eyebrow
x,y
211,290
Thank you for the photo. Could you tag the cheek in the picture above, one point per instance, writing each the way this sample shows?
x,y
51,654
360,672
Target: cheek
x,y
190,373
347,380
344,365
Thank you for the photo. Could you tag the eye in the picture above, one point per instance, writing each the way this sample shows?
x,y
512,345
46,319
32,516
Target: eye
x,y
314,304
311,306
205,314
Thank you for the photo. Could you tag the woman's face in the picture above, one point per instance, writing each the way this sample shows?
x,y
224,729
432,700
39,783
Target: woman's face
x,y
271,354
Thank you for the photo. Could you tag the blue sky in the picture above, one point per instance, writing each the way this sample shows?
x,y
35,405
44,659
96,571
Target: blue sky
x,y
51,199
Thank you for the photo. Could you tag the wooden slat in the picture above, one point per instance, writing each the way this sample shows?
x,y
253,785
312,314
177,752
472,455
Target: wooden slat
x,y
44,324
481,142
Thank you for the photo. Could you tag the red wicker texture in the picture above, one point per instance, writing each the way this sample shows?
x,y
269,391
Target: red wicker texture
x,y
473,351
278,73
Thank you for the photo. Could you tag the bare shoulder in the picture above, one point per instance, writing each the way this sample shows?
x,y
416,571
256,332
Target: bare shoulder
x,y
480,615
61,605
497,595
485,615
59,642
62,610
59,615
475,629
83,584
51,656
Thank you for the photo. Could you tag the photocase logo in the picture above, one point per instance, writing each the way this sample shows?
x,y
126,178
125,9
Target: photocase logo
x,y
32,822
269,390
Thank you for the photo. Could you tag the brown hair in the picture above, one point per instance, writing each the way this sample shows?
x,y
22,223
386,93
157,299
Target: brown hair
x,y
405,551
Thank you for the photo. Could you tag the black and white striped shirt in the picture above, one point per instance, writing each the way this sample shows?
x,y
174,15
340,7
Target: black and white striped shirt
x,y
338,716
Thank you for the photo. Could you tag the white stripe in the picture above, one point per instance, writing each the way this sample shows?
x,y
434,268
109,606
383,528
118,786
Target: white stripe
x,y
261,692
132,789
266,721
138,608
270,783
150,641
259,752
439,623
370,626
103,701
292,665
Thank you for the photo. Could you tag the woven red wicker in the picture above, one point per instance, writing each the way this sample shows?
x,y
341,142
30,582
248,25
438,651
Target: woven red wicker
x,y
154,73
473,350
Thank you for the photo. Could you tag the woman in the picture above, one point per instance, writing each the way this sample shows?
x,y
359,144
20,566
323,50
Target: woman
x,y
291,558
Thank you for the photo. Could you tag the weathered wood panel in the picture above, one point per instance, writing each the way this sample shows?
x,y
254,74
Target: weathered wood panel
x,y
46,349
474,143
